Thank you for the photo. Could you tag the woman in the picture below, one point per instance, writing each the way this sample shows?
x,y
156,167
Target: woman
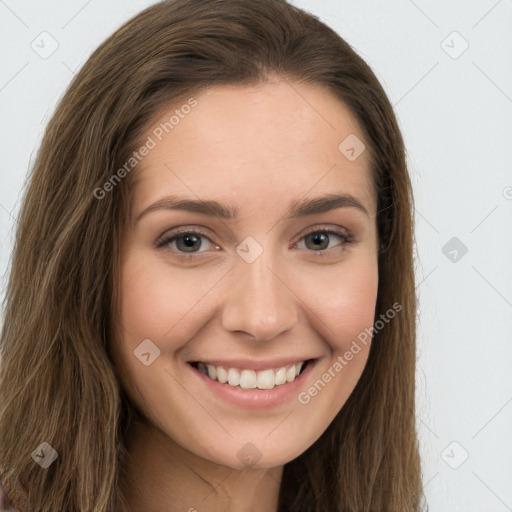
x,y
211,304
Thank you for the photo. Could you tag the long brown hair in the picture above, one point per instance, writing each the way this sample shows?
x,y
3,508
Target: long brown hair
x,y
58,383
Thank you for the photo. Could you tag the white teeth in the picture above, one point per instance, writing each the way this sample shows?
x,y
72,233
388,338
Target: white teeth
x,y
233,377
247,379
222,374
280,377
212,372
266,379
251,379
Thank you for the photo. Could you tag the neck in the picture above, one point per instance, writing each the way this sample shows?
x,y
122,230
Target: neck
x,y
163,476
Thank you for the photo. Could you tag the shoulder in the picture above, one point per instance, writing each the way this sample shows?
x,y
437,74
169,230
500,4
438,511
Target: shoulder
x,y
7,498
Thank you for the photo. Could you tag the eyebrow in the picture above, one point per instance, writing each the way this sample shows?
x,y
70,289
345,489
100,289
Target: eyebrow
x,y
296,210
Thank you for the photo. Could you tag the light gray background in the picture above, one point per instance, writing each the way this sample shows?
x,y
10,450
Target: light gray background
x,y
455,110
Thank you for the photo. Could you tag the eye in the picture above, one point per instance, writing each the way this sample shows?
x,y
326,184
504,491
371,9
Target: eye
x,y
185,241
319,240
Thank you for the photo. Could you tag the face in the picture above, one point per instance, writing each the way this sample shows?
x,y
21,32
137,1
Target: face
x,y
249,289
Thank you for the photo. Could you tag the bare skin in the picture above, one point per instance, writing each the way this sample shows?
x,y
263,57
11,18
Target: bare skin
x,y
257,148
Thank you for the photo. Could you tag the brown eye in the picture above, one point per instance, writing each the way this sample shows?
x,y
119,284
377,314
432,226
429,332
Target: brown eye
x,y
321,240
185,241
188,243
318,241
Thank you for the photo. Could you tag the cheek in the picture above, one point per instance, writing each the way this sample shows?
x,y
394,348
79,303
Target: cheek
x,y
155,301
345,313
156,304
345,304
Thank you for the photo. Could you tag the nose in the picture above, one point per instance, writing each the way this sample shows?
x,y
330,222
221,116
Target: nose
x,y
259,301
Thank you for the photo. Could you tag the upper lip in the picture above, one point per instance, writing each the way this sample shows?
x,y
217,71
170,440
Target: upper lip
x,y
253,364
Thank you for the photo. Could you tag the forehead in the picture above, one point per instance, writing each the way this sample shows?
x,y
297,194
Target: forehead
x,y
256,143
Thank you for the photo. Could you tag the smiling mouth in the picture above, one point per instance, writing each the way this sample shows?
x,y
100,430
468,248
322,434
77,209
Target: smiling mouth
x,y
252,379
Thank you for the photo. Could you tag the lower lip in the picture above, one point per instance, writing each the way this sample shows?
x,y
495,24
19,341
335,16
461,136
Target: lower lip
x,y
256,398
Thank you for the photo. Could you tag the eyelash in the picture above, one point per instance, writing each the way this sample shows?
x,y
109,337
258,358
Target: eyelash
x,y
165,240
